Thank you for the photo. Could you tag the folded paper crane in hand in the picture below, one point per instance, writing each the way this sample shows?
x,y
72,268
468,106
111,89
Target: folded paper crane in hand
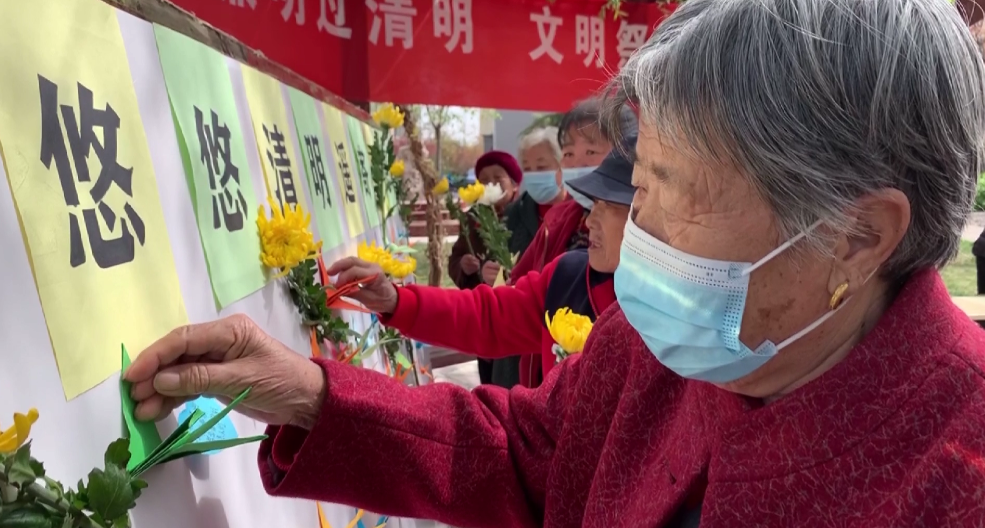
x,y
148,450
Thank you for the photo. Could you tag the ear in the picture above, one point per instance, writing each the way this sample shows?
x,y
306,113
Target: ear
x,y
880,219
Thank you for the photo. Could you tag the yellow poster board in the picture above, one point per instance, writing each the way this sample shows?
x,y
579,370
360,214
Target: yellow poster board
x,y
274,140
80,172
344,163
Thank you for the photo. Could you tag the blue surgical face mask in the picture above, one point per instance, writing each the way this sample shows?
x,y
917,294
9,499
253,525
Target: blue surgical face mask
x,y
689,309
541,186
570,174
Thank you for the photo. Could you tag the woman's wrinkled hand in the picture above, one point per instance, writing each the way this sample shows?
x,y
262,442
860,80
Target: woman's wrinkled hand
x,y
469,264
379,295
222,359
490,270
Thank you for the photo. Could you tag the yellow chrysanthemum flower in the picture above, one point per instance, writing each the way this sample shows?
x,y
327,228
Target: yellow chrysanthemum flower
x,y
371,252
388,115
397,169
569,330
472,193
393,267
17,434
399,269
441,187
285,240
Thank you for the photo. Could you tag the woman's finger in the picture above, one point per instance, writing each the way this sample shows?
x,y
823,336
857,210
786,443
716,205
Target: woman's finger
x,y
215,337
213,379
341,265
356,273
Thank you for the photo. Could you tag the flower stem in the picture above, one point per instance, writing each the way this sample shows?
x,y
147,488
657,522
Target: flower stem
x,y
44,496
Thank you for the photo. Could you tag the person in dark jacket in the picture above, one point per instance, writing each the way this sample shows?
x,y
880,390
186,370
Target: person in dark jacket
x,y
464,267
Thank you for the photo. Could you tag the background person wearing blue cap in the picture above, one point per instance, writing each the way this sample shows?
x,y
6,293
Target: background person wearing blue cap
x,y
496,322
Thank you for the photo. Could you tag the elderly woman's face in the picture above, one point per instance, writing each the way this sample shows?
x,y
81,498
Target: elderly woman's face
x,y
584,147
712,211
498,175
539,157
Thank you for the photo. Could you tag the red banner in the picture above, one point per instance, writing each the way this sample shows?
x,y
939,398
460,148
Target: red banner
x,y
512,54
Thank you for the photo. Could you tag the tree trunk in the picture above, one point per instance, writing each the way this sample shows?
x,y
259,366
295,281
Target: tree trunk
x,y
429,179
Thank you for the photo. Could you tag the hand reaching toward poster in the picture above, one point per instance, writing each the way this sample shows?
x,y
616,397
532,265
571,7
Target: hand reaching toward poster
x,y
222,359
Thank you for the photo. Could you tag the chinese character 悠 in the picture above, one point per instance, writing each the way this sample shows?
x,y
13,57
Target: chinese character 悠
x,y
397,23
83,141
453,18
244,3
350,192
317,170
285,13
228,210
280,166
630,37
546,29
336,26
590,39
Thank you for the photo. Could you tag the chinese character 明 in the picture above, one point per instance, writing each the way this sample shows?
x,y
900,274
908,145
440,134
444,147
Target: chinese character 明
x,y
350,191
83,140
398,21
337,25
227,210
285,13
280,166
244,3
453,18
631,37
590,39
546,30
317,169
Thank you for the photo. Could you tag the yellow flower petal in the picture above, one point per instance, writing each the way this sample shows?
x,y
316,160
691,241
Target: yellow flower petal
x,y
569,330
397,169
441,187
16,435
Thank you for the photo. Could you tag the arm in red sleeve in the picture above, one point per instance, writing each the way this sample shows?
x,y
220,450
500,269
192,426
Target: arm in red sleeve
x,y
487,322
439,452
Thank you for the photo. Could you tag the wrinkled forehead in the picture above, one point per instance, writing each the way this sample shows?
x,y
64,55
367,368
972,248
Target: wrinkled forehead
x,y
585,132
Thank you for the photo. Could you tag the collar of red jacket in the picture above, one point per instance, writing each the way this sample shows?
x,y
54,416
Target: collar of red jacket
x,y
894,363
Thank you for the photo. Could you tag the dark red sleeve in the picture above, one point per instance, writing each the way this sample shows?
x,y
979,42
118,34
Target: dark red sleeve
x,y
477,458
487,322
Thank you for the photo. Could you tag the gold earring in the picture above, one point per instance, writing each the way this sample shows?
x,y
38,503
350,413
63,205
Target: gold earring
x,y
837,296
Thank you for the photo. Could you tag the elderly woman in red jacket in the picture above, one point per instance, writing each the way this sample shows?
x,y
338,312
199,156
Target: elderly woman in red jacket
x,y
783,351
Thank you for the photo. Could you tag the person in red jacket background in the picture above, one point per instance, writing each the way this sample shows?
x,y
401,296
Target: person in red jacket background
x,y
783,351
502,320
584,144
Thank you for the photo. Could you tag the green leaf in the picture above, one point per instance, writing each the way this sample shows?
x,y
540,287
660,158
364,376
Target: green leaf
x,y
137,486
118,453
37,468
121,522
110,494
33,516
19,468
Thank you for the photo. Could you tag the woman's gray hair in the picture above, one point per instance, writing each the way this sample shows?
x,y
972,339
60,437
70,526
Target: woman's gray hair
x,y
820,102
541,135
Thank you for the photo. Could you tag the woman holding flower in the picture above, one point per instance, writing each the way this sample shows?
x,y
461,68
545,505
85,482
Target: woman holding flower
x,y
494,168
